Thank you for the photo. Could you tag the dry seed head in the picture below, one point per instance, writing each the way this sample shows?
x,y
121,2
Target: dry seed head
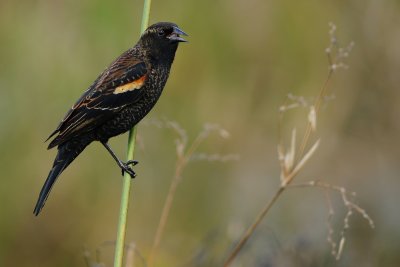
x,y
340,249
289,157
312,118
306,157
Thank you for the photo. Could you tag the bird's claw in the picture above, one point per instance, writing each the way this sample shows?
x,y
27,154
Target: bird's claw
x,y
125,168
129,170
132,162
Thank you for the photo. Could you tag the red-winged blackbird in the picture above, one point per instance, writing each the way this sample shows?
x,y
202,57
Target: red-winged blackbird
x,y
117,100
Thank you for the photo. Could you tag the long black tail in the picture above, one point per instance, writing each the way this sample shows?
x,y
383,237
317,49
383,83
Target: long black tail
x,y
67,152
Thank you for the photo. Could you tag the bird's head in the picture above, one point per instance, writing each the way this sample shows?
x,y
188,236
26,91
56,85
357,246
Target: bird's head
x,y
162,38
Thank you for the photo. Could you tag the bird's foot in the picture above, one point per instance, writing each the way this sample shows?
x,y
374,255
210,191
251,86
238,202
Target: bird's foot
x,y
125,167
132,162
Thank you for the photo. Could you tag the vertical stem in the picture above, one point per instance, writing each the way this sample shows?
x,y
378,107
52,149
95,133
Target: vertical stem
x,y
126,185
123,212
145,15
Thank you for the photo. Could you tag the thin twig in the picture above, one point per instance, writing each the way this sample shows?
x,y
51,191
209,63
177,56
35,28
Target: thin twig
x,y
336,249
287,180
183,157
249,232
165,213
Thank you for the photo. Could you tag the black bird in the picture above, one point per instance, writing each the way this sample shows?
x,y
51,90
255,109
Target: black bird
x,y
116,101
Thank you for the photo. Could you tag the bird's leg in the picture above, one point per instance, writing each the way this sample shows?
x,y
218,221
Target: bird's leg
x,y
123,165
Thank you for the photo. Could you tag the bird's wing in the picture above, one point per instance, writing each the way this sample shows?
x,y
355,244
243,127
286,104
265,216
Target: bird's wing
x,y
118,86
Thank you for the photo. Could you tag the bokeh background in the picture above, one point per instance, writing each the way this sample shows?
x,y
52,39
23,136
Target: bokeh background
x,y
242,60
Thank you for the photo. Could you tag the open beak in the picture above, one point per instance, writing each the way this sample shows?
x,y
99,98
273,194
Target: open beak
x,y
176,35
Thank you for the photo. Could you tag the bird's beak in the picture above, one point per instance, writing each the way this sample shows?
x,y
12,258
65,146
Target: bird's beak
x,y
175,35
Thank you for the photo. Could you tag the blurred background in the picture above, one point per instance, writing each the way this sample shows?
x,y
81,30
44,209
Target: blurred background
x,y
243,59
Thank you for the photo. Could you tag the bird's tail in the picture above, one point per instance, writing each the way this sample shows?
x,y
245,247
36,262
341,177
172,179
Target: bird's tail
x,y
67,152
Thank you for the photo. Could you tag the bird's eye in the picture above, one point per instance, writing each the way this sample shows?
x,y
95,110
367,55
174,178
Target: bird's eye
x,y
161,32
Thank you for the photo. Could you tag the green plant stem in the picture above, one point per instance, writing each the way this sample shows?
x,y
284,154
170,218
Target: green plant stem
x,y
123,212
145,15
126,185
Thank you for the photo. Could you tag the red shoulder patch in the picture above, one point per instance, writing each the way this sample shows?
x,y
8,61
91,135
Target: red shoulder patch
x,y
136,84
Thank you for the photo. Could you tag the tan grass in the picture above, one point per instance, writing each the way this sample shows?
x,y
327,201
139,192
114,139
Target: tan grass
x,y
292,159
